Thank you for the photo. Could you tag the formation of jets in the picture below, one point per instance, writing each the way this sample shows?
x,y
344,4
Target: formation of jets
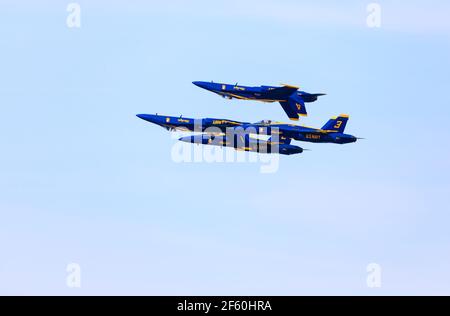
x,y
247,136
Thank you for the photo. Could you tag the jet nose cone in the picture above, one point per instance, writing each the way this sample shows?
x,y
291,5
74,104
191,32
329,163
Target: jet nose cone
x,y
187,139
201,84
148,117
141,116
145,117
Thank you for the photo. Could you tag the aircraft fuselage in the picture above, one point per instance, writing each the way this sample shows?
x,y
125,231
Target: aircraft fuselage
x,y
221,126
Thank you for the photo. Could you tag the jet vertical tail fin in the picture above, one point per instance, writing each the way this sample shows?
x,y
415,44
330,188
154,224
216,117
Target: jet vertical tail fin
x,y
337,124
294,107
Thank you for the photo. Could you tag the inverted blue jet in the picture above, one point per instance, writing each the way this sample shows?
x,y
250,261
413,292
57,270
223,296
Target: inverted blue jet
x,y
245,142
291,98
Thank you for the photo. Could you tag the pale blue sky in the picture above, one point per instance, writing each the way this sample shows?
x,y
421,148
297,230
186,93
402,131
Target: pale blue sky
x,y
83,180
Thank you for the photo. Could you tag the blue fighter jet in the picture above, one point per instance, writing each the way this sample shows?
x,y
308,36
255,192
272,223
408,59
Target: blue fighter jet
x,y
245,142
241,135
291,99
